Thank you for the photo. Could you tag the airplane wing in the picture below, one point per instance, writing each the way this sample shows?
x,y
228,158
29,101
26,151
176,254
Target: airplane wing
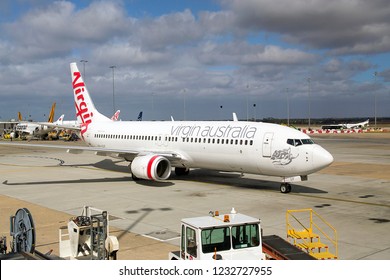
x,y
9,122
129,155
58,125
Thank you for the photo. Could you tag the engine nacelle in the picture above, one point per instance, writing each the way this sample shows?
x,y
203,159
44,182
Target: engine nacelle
x,y
151,167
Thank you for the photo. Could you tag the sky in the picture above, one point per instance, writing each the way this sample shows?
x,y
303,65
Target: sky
x,y
197,59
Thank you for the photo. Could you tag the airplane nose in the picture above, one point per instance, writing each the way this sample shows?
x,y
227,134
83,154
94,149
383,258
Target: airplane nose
x,y
321,158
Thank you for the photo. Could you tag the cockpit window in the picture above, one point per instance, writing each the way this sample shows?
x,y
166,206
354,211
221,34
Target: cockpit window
x,y
298,142
290,142
307,141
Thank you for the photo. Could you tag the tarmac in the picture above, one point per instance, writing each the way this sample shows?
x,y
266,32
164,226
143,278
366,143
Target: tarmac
x,y
353,195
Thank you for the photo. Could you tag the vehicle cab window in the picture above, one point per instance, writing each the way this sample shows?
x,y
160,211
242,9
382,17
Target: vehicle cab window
x,y
245,236
191,242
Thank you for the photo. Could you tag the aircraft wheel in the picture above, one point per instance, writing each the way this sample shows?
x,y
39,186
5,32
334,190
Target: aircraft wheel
x,y
285,188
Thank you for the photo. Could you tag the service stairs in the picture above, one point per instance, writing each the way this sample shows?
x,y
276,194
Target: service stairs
x,y
307,230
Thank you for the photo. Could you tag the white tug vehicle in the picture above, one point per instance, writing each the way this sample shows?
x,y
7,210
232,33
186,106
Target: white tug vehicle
x,y
232,236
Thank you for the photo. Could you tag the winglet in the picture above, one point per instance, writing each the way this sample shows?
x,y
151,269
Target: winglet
x,y
235,119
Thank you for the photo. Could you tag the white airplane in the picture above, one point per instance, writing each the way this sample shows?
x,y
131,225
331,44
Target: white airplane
x,y
347,125
153,148
34,129
70,125
355,125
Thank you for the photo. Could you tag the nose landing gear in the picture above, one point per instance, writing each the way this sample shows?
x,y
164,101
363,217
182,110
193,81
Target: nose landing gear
x,y
285,188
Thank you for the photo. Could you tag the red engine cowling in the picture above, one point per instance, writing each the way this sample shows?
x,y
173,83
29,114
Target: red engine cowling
x,y
151,167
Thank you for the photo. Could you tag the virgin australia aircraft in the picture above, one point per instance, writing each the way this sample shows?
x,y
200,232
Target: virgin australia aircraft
x,y
153,148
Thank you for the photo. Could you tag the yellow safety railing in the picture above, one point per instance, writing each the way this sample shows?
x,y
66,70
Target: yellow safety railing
x,y
312,233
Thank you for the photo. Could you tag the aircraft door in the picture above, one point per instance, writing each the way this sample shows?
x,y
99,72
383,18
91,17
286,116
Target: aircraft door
x,y
267,144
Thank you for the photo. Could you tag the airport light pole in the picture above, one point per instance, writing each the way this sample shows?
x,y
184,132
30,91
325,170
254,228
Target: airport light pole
x,y
113,87
375,75
247,100
247,104
309,94
153,115
288,108
83,62
184,104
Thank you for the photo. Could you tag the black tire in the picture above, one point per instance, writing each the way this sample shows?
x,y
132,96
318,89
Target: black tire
x,y
285,188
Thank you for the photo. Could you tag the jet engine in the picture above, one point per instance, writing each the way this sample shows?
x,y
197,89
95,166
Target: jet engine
x,y
151,167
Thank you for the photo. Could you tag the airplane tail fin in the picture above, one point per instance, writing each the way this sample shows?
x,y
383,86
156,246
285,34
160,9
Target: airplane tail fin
x,y
139,116
60,119
51,115
20,118
86,112
115,117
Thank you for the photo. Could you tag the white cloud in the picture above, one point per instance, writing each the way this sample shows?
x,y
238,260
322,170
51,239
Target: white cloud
x,y
59,29
214,55
127,54
345,26
242,53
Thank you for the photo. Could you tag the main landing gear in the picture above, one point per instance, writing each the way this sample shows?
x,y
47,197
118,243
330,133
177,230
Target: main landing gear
x,y
180,171
285,188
